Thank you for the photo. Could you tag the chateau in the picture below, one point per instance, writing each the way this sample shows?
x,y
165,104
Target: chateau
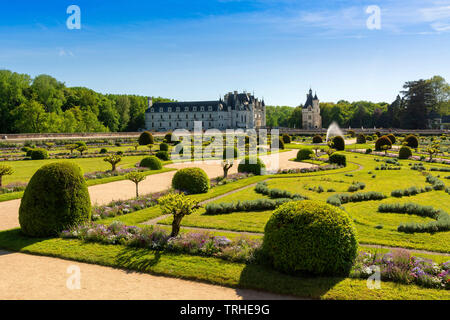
x,y
311,118
234,111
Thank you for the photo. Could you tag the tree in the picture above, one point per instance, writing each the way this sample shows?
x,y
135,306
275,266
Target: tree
x,y
150,147
420,100
5,171
113,159
30,117
81,149
136,177
433,149
71,147
226,165
178,205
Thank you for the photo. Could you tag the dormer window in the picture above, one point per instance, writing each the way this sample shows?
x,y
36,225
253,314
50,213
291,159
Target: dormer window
x,y
169,109
186,109
194,109
202,108
178,109
210,108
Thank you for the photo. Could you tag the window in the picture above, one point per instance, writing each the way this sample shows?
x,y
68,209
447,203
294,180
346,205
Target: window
x,y
169,109
160,109
194,109
210,108
170,117
178,109
187,116
186,109
152,110
202,108
203,115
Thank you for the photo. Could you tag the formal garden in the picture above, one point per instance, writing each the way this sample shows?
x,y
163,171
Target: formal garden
x,y
366,206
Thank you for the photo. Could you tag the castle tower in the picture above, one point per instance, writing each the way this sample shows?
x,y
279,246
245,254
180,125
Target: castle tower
x,y
311,118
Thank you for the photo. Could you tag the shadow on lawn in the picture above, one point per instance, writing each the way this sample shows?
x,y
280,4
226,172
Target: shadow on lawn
x,y
137,259
15,240
261,277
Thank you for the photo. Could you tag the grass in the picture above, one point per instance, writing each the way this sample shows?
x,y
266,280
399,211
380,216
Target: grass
x,y
212,270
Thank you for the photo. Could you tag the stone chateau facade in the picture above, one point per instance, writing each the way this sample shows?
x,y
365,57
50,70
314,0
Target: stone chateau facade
x,y
311,118
234,111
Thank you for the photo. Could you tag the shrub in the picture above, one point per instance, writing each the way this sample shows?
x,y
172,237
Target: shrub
x,y
164,147
412,141
252,165
163,155
145,138
286,138
360,138
355,186
317,139
153,163
262,188
338,159
369,138
310,237
39,154
55,199
305,154
382,141
351,133
392,138
247,205
103,150
404,152
80,144
368,151
191,180
338,143
341,198
168,137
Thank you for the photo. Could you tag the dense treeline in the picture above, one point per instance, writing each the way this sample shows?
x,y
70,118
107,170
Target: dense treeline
x,y
45,105
419,101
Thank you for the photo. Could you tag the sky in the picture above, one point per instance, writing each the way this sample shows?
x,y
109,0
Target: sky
x,y
202,49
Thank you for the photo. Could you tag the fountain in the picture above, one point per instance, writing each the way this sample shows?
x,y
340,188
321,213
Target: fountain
x,y
334,130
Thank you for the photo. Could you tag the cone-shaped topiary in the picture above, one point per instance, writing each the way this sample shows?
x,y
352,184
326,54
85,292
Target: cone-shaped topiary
x,y
317,139
310,237
145,138
252,165
305,154
191,181
404,152
338,143
55,199
152,162
382,141
412,141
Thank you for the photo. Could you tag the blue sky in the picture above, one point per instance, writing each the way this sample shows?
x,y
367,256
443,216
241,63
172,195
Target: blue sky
x,y
201,49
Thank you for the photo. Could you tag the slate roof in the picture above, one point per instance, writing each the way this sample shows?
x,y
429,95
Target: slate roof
x,y
309,99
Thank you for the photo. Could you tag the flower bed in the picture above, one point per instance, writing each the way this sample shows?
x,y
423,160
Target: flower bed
x,y
13,187
107,174
307,170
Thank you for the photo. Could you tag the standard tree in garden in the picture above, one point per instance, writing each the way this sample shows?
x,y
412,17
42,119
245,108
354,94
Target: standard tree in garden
x,y
113,159
136,177
227,165
433,149
81,149
178,205
5,171
71,147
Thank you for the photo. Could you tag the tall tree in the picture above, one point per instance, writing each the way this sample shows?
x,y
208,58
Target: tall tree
x,y
420,100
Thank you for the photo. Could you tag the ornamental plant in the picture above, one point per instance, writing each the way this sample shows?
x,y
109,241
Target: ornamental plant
x,y
178,205
113,160
145,138
5,170
191,180
338,143
136,177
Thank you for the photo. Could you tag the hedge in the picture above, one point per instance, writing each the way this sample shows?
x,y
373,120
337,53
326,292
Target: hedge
x,y
152,162
252,165
305,154
338,159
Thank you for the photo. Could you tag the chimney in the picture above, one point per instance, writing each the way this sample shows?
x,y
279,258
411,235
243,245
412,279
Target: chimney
x,y
150,102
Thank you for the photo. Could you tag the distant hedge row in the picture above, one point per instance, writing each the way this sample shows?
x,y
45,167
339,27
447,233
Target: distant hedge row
x,y
262,188
341,198
247,205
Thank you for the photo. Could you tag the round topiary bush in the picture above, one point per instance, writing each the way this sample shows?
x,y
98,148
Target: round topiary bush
x,y
412,141
338,159
404,152
38,154
55,199
252,165
286,138
305,154
168,137
191,180
103,150
145,138
230,152
338,143
378,134
310,237
317,139
163,155
164,147
360,139
382,141
392,138
152,162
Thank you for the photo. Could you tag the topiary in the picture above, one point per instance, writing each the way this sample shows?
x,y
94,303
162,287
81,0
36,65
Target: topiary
x,y
55,199
305,154
382,141
404,152
317,139
163,155
103,150
280,144
252,165
145,138
191,180
338,143
230,151
286,138
80,144
310,237
378,134
360,139
412,141
168,137
152,162
351,133
338,159
164,147
392,138
38,154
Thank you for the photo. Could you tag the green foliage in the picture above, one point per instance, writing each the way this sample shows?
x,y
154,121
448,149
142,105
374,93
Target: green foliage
x,y
103,150
286,138
178,205
163,155
113,160
5,170
164,147
342,198
305,154
55,199
412,191
39,154
168,138
230,151
435,182
246,205
136,177
262,188
153,163
411,141
338,143
404,152
355,186
392,138
191,181
252,165
309,237
145,138
382,141
317,139
360,138
338,159
351,133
